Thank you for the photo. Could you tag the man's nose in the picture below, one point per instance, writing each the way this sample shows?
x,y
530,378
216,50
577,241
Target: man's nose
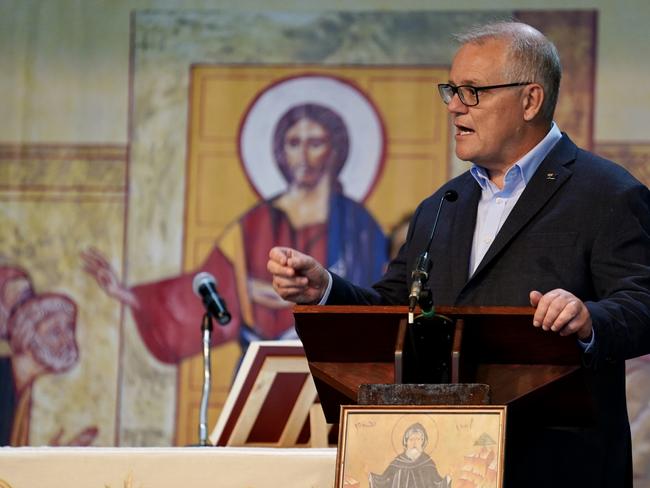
x,y
456,106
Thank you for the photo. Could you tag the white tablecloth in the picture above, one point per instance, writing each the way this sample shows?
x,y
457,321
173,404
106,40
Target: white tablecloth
x,y
222,467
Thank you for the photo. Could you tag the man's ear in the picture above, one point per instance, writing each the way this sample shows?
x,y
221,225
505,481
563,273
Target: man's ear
x,y
532,100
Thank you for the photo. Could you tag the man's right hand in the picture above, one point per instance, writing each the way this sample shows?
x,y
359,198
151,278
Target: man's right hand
x,y
297,277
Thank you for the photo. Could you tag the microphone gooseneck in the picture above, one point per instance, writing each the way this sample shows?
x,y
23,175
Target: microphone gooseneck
x,y
420,274
449,196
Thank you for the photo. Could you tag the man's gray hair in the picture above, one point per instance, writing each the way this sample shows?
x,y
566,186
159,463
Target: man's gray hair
x,y
532,57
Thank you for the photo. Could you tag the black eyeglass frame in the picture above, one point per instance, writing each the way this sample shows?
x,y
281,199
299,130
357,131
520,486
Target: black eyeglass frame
x,y
455,90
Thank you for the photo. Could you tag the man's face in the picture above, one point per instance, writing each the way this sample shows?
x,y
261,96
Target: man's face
x,y
54,344
414,445
308,152
488,134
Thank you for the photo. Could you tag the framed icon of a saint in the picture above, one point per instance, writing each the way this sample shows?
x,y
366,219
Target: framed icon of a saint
x,y
426,446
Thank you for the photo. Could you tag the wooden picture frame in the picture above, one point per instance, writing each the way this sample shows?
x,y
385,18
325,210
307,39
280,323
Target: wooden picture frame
x,y
444,446
273,401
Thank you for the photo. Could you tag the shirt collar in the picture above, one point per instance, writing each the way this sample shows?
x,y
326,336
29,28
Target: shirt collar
x,y
527,165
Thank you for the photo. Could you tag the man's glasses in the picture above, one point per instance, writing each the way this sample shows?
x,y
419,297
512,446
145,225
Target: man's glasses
x,y
468,94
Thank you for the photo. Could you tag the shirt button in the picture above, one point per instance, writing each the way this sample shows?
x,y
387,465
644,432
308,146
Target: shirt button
x,y
499,201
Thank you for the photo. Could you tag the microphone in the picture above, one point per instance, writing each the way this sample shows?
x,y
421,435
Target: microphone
x,y
205,287
420,274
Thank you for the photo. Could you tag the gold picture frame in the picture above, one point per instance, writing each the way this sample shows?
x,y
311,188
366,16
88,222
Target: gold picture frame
x,y
429,446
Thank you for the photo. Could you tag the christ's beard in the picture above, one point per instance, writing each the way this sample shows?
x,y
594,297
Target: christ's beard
x,y
413,453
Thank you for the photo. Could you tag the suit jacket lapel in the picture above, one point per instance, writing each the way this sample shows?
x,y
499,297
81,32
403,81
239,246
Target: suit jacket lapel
x,y
548,178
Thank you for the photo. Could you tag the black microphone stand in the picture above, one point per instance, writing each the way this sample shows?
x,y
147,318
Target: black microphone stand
x,y
420,292
206,332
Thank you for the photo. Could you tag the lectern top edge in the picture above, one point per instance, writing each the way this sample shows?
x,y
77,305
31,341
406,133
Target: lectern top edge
x,y
464,311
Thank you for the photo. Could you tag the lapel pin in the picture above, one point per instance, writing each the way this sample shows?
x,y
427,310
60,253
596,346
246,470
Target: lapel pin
x,y
551,176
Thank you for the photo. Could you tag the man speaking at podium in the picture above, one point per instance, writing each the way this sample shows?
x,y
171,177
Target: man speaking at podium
x,y
536,221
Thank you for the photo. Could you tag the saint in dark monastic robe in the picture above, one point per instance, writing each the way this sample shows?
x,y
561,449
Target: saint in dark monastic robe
x,y
413,468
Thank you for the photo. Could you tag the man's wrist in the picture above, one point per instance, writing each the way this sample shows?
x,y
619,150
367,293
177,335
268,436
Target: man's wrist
x,y
587,339
588,343
328,289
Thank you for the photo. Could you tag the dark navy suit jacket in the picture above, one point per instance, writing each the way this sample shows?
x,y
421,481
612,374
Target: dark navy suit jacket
x,y
581,224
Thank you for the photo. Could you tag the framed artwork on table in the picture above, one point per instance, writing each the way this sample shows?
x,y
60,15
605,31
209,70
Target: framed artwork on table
x,y
273,401
425,446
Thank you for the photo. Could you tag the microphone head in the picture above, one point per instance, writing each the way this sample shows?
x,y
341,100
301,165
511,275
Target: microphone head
x,y
203,278
451,195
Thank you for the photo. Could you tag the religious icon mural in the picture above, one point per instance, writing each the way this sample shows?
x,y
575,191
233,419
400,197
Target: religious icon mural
x,y
240,137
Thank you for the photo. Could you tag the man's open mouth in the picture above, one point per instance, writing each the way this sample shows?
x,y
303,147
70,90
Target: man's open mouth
x,y
461,130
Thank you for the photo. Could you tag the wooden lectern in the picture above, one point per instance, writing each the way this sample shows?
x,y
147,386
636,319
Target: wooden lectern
x,y
537,374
